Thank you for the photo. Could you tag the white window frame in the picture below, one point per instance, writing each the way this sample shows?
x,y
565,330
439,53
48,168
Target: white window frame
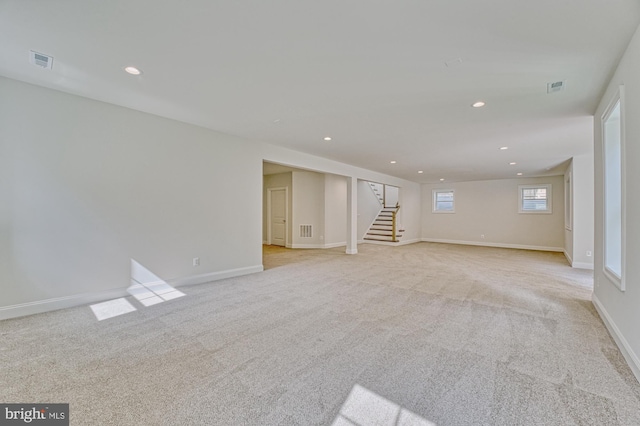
x,y
434,204
618,281
549,189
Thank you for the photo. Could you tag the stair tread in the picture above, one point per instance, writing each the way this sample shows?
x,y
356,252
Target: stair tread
x,y
380,239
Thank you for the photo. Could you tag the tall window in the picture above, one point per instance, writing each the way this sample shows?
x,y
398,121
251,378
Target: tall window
x,y
534,198
443,201
612,141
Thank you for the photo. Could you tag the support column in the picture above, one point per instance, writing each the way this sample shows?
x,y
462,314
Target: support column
x,y
352,215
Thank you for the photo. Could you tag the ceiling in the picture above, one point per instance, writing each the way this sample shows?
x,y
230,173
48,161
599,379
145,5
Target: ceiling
x,y
386,80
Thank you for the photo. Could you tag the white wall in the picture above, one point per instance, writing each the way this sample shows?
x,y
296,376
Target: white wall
x,y
319,200
410,213
368,208
583,210
278,180
308,208
568,233
621,310
490,208
86,186
335,210
91,185
391,195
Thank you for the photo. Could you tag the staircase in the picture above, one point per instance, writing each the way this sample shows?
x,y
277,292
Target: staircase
x,y
378,190
383,227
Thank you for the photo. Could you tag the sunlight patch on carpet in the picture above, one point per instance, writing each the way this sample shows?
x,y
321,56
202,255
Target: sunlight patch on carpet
x,y
146,287
364,407
112,308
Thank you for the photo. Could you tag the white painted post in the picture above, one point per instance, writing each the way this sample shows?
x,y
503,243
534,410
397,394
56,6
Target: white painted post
x,y
352,215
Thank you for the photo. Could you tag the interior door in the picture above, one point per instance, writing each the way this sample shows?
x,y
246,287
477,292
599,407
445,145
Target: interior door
x,y
278,216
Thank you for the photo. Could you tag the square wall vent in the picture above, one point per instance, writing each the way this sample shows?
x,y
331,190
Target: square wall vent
x,y
556,86
306,231
41,60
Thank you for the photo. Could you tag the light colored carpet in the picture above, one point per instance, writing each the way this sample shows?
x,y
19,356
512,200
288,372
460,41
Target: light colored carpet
x,y
449,335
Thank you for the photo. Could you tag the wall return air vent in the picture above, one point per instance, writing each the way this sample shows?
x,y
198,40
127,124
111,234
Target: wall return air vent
x,y
41,60
556,86
306,231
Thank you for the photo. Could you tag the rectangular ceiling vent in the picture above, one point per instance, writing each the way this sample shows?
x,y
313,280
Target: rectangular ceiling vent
x,y
306,231
41,60
557,86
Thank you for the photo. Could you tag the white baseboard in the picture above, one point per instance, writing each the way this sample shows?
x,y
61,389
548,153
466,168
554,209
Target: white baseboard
x,y
47,305
389,243
215,276
577,265
406,242
316,246
582,265
306,246
630,356
334,245
499,245
569,259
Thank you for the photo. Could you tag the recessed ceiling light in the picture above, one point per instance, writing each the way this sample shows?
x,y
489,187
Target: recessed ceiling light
x,y
513,163
504,147
519,174
441,179
478,104
420,172
133,70
393,161
327,138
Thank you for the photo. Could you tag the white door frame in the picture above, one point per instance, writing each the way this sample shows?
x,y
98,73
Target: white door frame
x,y
286,213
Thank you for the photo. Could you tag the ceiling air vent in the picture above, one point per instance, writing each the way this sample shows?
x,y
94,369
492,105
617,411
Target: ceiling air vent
x,y
556,86
41,60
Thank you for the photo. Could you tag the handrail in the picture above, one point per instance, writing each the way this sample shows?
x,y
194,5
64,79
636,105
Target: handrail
x,y
394,238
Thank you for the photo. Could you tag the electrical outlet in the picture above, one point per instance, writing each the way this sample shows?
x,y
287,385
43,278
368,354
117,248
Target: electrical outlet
x,y
588,253
196,261
482,236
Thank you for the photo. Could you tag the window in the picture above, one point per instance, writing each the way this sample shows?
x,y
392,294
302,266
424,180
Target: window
x,y
613,154
534,198
443,201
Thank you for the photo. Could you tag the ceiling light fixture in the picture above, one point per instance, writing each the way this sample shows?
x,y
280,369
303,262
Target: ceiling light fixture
x,y
133,70
478,104
441,179
519,174
327,138
502,148
393,161
420,172
513,163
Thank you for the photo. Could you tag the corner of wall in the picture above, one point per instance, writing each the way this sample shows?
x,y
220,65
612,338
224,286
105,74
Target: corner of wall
x,y
630,356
